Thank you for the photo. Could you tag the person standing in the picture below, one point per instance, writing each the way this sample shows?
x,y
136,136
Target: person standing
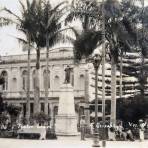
x,y
82,128
141,130
92,127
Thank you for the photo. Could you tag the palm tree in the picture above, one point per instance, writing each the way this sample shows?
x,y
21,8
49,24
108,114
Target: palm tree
x,y
43,33
87,40
120,35
4,21
24,24
51,33
138,16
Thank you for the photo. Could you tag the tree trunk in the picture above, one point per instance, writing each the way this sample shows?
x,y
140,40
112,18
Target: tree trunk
x,y
142,77
121,70
28,87
47,81
87,111
142,56
37,83
96,99
113,91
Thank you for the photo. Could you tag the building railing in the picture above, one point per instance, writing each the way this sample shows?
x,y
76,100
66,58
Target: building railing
x,y
52,93
23,57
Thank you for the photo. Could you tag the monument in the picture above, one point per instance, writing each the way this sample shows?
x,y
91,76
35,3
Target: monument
x,y
66,121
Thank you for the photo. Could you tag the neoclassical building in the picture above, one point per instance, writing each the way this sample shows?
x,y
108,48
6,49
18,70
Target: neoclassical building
x,y
14,70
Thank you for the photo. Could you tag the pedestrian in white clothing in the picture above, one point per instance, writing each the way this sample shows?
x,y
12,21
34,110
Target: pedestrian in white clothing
x,y
141,130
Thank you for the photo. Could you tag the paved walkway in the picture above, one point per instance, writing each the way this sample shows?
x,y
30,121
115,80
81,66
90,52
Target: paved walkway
x,y
67,142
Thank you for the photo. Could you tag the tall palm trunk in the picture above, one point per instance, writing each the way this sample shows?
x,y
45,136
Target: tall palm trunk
x,y
47,81
37,82
113,91
121,71
28,86
103,72
142,55
87,111
142,76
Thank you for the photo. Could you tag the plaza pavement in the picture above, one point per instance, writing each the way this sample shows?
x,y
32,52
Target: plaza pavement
x,y
67,142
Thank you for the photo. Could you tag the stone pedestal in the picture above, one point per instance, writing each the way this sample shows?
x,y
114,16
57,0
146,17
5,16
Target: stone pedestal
x,y
66,121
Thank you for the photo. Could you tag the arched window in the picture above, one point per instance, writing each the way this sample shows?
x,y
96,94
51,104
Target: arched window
x,y
82,82
24,79
5,76
45,80
33,79
57,83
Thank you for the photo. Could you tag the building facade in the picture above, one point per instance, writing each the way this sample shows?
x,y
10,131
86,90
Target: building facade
x,y
14,70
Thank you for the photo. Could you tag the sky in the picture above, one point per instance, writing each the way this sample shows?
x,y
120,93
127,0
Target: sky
x,y
8,44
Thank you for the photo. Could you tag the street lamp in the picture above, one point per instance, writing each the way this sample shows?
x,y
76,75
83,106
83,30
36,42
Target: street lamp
x,y
96,62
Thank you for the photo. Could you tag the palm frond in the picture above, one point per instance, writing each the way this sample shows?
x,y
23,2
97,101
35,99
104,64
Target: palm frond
x,y
28,4
5,21
21,41
85,44
59,5
13,14
130,28
22,5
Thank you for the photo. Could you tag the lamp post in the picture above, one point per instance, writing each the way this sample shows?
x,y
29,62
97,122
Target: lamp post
x,y
96,63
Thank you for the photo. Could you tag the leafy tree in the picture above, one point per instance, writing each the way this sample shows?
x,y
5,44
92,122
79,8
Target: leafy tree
x,y
13,111
86,41
41,118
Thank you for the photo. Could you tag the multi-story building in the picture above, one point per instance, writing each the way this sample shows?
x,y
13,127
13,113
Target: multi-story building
x,y
14,70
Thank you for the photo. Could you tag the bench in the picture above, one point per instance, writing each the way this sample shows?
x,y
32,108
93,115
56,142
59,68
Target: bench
x,y
32,132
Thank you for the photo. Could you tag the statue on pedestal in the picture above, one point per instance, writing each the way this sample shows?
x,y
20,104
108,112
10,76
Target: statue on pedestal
x,y
68,70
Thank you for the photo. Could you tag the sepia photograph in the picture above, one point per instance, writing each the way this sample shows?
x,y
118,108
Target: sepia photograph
x,y
73,73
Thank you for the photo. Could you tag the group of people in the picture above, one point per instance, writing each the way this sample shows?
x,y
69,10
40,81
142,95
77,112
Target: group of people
x,y
118,132
126,133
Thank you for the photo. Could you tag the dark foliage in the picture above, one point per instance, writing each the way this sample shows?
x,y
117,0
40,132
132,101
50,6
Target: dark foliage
x,y
13,110
85,44
51,134
41,118
87,11
120,32
3,105
132,110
